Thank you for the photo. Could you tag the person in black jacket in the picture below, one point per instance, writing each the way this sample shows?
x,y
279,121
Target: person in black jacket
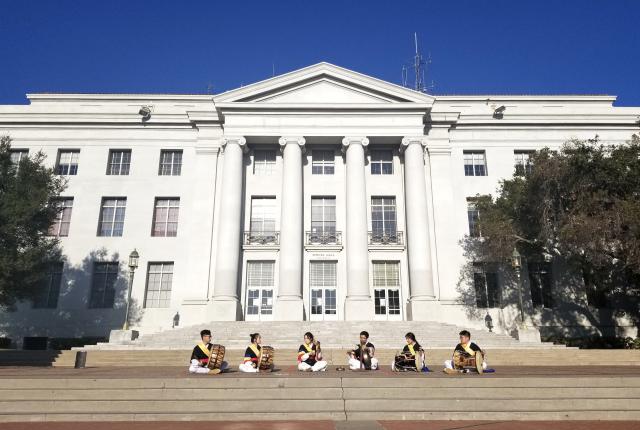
x,y
201,354
467,349
412,356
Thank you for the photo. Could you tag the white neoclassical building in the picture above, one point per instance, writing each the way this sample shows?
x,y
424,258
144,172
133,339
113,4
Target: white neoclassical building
x,y
320,194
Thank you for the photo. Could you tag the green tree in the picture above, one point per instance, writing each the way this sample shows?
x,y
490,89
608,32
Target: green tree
x,y
580,204
26,192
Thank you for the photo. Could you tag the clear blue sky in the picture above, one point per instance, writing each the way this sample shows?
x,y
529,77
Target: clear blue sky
x,y
477,46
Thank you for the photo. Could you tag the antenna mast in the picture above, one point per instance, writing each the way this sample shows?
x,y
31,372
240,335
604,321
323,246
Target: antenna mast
x,y
420,67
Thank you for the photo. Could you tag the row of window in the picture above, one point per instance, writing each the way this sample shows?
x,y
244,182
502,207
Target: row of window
x,y
489,294
260,284
112,214
323,215
264,162
118,163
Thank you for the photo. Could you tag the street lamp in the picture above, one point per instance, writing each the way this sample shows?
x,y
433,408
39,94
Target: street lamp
x,y
516,263
133,265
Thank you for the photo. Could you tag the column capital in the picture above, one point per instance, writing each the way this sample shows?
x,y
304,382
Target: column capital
x,y
239,140
348,140
299,140
408,140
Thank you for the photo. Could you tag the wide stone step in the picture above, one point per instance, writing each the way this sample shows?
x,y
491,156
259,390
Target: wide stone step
x,y
319,397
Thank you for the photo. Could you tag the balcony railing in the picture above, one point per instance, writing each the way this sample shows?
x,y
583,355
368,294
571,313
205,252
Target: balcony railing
x,y
323,238
386,238
261,238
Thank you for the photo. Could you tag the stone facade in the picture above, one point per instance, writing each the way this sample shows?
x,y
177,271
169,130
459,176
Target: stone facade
x,y
318,194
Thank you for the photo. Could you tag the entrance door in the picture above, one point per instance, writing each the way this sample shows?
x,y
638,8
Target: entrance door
x,y
323,290
260,280
386,290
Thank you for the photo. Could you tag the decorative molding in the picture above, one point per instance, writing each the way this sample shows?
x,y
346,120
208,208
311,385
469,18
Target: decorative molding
x,y
240,140
296,139
362,140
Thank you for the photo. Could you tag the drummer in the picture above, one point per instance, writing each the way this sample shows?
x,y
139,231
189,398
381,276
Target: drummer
x,y
310,355
412,356
200,356
252,355
354,355
466,348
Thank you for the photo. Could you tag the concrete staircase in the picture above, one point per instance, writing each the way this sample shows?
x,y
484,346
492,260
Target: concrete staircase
x,y
332,334
326,396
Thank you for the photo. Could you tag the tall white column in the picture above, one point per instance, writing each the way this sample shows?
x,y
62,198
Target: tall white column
x,y
358,304
289,306
418,240
226,306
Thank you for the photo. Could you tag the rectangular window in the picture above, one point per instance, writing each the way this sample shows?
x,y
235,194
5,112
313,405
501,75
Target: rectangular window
x,y
382,162
260,282
67,162
112,212
473,215
322,274
487,288
170,162
119,162
386,284
475,163
165,217
103,285
383,218
17,155
322,162
263,215
323,284
60,226
47,297
264,162
523,162
159,282
541,283
323,216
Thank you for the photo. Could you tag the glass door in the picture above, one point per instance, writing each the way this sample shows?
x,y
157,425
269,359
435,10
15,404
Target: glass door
x,y
323,290
386,290
260,281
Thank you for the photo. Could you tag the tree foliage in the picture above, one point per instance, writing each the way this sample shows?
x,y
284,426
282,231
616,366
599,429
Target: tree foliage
x,y
26,192
580,204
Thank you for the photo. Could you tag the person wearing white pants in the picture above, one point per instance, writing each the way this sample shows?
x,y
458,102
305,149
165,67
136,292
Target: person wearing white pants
x,y
364,347
252,355
201,355
467,349
310,355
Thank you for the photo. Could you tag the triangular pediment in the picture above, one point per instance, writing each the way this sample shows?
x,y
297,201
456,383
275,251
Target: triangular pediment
x,y
323,84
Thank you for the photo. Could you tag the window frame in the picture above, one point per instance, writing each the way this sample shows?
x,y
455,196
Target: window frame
x,y
265,166
120,164
70,164
381,162
113,221
159,302
166,222
326,166
59,220
475,164
106,288
53,277
175,169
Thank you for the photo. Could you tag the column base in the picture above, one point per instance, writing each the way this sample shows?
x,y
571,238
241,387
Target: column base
x,y
225,310
358,309
527,333
122,336
424,309
289,309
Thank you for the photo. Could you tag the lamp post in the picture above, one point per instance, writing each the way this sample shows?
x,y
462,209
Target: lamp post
x,y
133,265
516,263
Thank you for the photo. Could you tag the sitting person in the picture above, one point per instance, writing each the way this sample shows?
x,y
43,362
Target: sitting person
x,y
411,358
362,357
252,355
466,356
201,354
310,355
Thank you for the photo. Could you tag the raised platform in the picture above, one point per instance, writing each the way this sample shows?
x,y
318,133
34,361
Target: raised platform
x,y
171,394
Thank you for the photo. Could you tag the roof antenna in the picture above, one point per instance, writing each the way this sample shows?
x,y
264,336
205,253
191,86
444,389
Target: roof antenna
x,y
420,67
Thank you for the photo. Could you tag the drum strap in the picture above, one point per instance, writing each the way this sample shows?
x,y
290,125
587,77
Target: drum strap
x,y
411,350
308,348
204,349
